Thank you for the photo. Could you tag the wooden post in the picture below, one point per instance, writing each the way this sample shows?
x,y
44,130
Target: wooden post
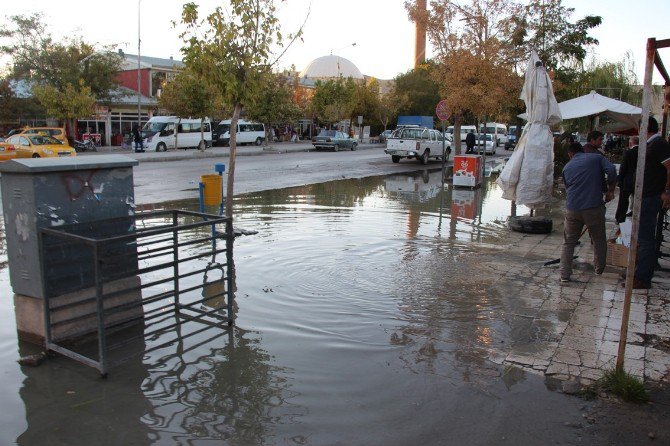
x,y
637,203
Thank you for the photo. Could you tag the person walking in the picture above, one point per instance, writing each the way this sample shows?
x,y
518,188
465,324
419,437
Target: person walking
x,y
583,176
655,196
137,138
626,181
470,142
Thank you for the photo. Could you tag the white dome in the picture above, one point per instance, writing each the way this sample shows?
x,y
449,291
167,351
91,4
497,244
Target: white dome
x,y
331,66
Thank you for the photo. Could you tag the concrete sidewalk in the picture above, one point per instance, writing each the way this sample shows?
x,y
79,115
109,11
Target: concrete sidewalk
x,y
214,152
573,328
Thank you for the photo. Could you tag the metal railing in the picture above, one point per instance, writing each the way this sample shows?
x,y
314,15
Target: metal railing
x,y
156,270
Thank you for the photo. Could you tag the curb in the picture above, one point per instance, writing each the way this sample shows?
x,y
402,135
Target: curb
x,y
212,152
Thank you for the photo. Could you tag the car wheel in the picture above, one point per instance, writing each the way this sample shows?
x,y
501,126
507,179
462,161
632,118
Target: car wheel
x,y
259,141
353,147
395,159
161,147
424,158
36,155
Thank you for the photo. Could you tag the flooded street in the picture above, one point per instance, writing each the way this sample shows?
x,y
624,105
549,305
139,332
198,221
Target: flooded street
x,y
364,317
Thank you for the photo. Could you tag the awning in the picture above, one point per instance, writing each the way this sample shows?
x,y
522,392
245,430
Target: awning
x,y
624,115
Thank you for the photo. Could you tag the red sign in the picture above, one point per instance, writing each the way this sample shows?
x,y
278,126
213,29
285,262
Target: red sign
x,y
442,111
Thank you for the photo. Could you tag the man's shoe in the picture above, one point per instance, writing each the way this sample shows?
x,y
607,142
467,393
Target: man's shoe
x,y
565,279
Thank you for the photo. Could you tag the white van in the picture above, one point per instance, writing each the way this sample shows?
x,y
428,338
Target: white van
x,y
247,132
498,130
164,132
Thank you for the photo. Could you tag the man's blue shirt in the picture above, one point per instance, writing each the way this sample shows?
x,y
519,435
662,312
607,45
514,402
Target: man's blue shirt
x,y
584,176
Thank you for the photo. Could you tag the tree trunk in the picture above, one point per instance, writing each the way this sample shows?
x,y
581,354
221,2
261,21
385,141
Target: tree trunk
x,y
231,159
203,145
457,134
176,135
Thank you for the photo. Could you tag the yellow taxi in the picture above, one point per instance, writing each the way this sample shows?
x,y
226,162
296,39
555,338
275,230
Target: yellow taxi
x,y
7,151
54,132
38,146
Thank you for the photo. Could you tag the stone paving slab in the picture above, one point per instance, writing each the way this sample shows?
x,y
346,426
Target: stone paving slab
x,y
581,320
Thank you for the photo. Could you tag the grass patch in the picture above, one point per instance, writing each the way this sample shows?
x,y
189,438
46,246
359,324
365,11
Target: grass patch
x,y
623,384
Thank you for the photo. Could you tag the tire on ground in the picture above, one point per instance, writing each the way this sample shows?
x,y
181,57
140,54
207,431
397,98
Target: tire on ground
x,y
531,225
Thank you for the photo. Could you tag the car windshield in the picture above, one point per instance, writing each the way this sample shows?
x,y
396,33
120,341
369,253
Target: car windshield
x,y
41,140
330,133
488,137
153,127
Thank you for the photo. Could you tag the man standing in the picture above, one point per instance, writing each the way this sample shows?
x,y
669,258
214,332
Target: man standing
x,y
594,142
137,137
470,142
655,195
584,176
626,180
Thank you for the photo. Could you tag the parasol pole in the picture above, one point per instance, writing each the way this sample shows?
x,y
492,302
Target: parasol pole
x,y
637,203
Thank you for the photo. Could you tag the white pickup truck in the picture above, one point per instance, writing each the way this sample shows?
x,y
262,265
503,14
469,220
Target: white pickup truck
x,y
417,142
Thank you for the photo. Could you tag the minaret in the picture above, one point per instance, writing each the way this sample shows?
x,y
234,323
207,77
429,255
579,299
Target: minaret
x,y
420,38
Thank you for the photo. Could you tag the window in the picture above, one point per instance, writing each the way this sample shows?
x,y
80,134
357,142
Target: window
x,y
258,127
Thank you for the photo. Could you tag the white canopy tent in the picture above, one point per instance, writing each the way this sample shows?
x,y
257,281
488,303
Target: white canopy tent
x,y
624,115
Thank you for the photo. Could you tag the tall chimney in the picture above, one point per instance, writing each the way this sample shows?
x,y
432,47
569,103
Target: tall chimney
x,y
420,38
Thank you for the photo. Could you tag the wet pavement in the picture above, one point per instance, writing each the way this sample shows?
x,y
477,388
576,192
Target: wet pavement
x,y
376,310
584,315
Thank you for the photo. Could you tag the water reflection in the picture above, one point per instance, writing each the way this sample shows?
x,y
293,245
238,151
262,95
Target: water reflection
x,y
364,306
216,388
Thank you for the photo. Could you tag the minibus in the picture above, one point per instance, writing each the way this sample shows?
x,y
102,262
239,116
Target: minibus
x,y
165,132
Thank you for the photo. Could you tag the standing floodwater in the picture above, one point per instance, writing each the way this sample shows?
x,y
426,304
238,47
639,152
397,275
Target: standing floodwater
x,y
364,317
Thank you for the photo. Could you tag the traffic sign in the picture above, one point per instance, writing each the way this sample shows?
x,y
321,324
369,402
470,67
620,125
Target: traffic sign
x,y
442,111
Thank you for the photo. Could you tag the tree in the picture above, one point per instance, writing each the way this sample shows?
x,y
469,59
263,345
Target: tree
x,y
273,104
545,27
365,100
231,48
333,99
188,95
56,67
387,109
474,51
416,92
68,104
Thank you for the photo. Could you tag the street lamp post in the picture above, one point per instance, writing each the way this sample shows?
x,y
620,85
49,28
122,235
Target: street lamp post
x,y
139,78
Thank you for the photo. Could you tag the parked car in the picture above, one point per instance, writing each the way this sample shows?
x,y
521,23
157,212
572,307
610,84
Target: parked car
x,y
38,146
7,151
511,138
420,143
55,132
333,139
386,134
490,146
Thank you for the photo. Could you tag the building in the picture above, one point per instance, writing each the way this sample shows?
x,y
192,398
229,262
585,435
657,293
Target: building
x,y
115,118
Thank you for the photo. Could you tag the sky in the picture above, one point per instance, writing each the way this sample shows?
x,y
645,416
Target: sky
x,y
380,29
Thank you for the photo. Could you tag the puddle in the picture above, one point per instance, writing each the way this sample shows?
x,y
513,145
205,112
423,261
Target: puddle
x,y
364,317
